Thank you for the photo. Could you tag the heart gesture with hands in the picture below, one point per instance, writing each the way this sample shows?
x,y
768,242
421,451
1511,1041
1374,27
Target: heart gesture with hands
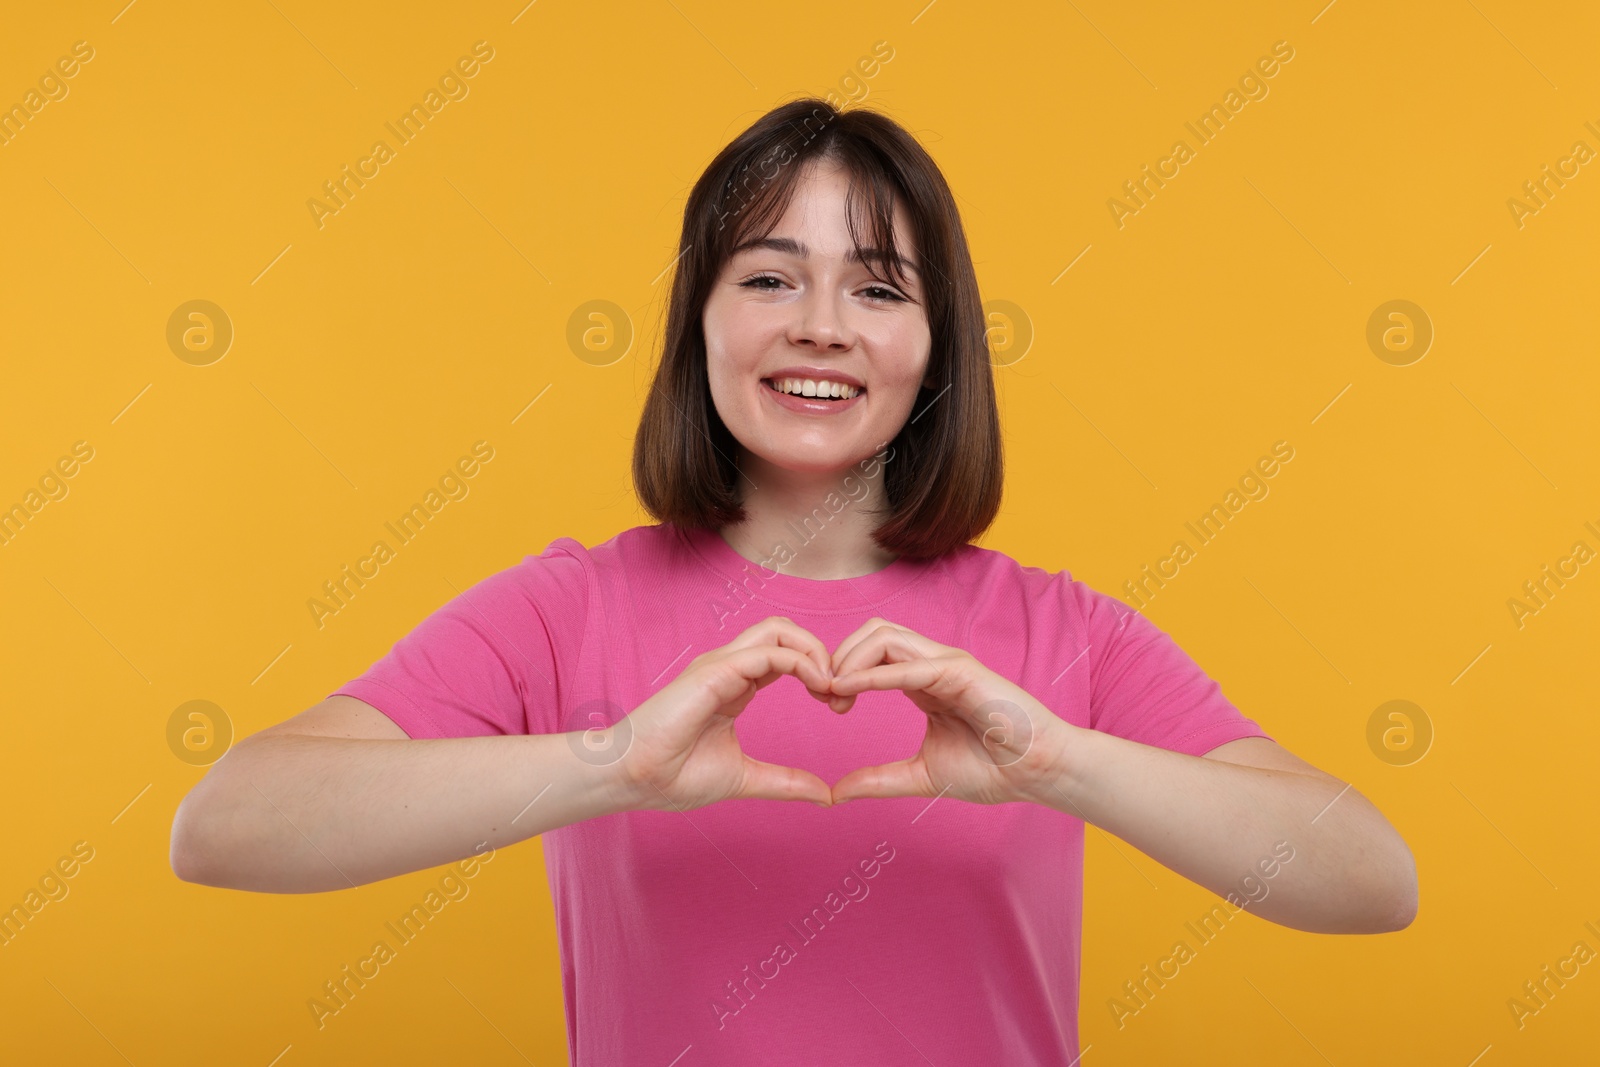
x,y
678,750
988,740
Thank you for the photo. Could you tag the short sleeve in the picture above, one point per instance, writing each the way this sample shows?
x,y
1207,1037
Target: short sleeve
x,y
489,660
1147,689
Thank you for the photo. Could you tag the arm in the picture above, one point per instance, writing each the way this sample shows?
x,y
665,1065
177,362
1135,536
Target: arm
x,y
1215,819
339,796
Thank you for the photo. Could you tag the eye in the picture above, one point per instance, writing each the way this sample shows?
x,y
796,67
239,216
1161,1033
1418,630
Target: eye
x,y
751,283
877,294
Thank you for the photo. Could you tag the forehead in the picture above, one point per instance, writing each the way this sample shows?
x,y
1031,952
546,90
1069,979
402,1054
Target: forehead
x,y
821,190
814,222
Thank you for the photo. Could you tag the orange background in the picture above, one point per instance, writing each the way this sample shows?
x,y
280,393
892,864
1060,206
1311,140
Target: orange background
x,y
369,353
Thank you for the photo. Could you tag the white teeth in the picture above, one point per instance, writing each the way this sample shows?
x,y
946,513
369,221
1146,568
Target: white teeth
x,y
814,387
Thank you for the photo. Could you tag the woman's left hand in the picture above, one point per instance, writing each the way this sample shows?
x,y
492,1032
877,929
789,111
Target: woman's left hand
x,y
988,740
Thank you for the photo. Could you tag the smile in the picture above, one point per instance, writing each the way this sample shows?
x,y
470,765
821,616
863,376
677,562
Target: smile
x,y
822,404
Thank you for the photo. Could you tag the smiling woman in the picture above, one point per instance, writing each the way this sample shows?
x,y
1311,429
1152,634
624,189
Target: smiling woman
x,y
848,263
905,684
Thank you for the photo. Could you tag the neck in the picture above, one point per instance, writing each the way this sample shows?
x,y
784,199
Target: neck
x,y
812,524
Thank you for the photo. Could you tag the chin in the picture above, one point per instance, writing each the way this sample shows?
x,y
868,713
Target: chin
x,y
800,461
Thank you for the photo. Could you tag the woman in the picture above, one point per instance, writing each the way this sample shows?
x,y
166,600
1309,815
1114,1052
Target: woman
x,y
820,445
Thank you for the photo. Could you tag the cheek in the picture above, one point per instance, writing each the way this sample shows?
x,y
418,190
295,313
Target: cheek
x,y
719,332
728,359
736,333
904,350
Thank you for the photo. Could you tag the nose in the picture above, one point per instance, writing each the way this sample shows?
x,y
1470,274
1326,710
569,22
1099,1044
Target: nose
x,y
819,322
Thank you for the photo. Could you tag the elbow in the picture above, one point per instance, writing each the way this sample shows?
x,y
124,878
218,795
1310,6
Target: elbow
x,y
1406,909
197,852
188,852
1402,896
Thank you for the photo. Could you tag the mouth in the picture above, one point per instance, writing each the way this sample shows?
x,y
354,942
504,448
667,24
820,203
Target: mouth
x,y
819,391
789,394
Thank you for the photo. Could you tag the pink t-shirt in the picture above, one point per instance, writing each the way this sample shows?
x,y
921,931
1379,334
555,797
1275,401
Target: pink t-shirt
x,y
884,931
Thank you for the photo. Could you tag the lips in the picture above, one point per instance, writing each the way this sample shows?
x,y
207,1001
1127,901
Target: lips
x,y
815,373
809,405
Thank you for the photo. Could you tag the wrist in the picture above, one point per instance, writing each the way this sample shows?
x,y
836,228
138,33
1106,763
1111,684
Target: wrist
x,y
632,790
604,759
1060,772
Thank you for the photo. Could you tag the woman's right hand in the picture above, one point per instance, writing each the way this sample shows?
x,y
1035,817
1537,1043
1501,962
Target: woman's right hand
x,y
682,752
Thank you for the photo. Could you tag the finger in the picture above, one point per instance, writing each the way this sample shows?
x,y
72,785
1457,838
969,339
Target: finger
x,y
773,781
836,704
904,778
782,630
765,664
887,643
907,676
732,678
843,648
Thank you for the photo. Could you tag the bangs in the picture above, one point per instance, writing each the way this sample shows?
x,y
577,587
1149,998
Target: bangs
x,y
755,205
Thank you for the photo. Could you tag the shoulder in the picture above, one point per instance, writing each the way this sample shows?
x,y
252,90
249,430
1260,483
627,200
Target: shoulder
x,y
568,568
1000,583
637,546
976,563
998,575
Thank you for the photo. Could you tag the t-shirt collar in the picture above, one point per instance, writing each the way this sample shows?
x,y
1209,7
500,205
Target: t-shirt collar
x,y
767,582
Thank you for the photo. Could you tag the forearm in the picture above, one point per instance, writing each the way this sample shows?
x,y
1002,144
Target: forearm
x,y
290,813
1215,823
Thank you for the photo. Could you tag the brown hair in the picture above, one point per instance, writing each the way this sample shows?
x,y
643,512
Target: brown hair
x,y
943,480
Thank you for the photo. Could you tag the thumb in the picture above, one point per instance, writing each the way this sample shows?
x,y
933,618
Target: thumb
x,y
773,781
903,778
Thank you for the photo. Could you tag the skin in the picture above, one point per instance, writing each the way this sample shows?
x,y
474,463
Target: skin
x,y
771,309
1213,819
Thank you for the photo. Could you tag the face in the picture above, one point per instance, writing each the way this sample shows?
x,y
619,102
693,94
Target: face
x,y
795,307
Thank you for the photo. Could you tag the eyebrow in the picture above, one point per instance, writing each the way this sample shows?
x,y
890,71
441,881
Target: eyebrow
x,y
789,246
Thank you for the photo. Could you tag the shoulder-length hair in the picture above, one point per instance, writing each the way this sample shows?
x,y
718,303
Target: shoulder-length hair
x,y
943,479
